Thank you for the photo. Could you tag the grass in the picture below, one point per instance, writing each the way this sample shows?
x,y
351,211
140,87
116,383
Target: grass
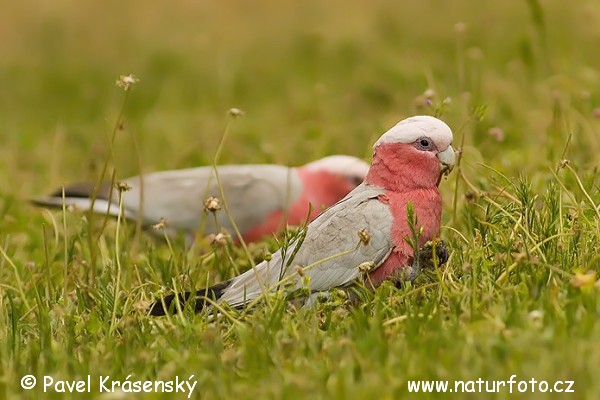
x,y
517,81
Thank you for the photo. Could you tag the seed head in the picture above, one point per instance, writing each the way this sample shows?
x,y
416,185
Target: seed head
x,y
212,204
123,186
364,236
460,27
470,197
235,112
366,267
220,239
536,315
429,93
160,225
125,82
562,164
299,270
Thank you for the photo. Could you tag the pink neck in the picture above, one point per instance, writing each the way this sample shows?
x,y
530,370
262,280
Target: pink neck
x,y
398,166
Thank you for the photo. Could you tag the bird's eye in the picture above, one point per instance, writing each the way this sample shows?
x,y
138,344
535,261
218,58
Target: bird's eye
x,y
424,143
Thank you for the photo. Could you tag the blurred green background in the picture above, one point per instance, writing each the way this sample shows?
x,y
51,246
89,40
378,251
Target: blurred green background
x,y
518,81
312,78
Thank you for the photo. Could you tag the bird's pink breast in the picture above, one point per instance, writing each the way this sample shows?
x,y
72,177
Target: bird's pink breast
x,y
427,206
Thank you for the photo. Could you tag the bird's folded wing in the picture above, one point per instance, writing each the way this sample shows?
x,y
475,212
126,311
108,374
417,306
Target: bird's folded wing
x,y
252,193
332,252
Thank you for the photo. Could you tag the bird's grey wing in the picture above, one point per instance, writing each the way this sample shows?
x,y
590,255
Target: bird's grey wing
x,y
254,192
332,251
172,195
251,191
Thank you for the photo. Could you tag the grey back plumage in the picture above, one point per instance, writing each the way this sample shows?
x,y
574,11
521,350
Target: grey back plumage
x,y
252,193
331,252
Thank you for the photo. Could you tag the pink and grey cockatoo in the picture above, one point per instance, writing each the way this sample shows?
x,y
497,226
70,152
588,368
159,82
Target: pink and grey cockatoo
x,y
261,198
367,232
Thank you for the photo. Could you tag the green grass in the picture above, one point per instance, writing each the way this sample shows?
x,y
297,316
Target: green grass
x,y
519,295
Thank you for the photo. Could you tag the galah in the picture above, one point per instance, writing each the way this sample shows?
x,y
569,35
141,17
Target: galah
x,y
371,235
261,198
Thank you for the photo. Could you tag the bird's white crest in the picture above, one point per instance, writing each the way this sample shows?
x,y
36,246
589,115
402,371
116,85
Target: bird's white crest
x,y
340,165
410,129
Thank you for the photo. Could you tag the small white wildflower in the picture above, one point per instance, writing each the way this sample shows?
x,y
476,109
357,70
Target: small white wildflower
x,y
125,82
536,315
160,225
235,112
366,267
218,239
212,204
429,93
460,27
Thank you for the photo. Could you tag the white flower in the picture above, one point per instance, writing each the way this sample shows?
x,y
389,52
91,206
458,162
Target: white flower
x,y
235,112
126,81
212,204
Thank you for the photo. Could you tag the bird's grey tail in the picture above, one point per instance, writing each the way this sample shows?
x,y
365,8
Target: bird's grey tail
x,y
80,196
200,299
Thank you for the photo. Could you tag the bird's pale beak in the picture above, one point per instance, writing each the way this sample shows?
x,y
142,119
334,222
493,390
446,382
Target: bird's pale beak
x,y
447,159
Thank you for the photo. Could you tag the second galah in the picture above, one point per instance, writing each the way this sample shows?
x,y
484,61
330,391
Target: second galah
x,y
371,234
261,198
